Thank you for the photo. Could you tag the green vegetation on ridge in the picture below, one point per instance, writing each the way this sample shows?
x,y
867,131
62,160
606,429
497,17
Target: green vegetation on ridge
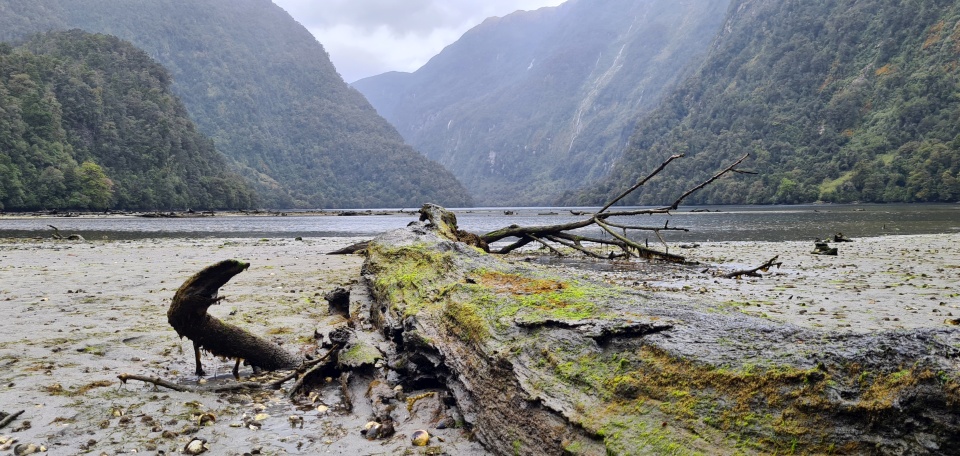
x,y
837,101
264,90
89,122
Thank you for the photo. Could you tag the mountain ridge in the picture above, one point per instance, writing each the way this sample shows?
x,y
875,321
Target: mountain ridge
x,y
263,88
89,122
838,101
528,106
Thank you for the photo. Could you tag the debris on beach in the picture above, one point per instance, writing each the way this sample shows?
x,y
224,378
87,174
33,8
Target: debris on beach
x,y
188,316
821,247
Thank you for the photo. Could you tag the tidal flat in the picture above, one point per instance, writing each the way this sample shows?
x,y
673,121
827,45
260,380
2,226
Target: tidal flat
x,y
79,313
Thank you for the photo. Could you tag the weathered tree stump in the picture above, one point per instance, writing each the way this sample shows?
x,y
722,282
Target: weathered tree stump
x,y
188,316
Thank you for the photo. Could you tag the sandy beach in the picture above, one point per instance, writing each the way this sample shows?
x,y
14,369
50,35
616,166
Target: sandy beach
x,y
77,314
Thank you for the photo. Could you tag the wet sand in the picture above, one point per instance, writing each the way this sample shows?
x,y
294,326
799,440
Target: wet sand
x,y
77,314
881,283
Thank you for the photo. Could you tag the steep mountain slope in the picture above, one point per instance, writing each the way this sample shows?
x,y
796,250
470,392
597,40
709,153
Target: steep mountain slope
x,y
525,107
89,122
265,90
839,100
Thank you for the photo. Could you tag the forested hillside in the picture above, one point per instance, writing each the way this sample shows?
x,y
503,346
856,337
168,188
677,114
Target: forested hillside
x,y
525,107
261,86
840,100
89,122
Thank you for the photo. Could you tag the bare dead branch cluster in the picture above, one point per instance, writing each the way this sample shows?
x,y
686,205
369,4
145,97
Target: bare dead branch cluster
x,y
561,234
755,272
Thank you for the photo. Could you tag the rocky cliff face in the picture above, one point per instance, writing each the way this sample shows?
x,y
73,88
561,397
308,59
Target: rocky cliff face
x,y
549,364
525,107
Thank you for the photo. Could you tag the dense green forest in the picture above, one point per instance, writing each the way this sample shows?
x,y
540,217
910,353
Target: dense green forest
x,y
262,87
835,100
89,122
527,106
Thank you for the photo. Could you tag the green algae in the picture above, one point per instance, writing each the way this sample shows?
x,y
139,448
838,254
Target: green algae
x,y
359,354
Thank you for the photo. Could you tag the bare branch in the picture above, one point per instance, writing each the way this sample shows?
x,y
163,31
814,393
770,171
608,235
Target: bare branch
x,y
554,233
644,228
520,231
243,386
730,168
303,368
9,418
642,251
575,246
640,184
755,272
314,366
542,242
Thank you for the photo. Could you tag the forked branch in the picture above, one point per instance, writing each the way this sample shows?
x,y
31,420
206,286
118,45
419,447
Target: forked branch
x,y
561,233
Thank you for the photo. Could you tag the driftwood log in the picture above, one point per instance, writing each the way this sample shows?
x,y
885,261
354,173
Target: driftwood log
x,y
545,362
6,419
755,272
188,316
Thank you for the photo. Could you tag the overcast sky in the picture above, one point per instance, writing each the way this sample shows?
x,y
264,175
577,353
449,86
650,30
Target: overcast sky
x,y
368,37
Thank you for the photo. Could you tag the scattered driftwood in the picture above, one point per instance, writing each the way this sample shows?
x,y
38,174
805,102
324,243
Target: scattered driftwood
x,y
839,237
308,369
755,272
822,248
231,387
8,418
188,316
56,235
301,372
562,233
56,232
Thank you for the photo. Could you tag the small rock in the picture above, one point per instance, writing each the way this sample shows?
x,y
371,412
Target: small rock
x,y
26,448
447,423
371,430
207,419
420,438
196,446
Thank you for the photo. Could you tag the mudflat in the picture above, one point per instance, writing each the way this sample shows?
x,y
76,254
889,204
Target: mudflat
x,y
78,313
879,283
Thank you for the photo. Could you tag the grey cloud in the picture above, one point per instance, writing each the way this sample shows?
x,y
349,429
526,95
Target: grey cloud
x,y
401,17
367,37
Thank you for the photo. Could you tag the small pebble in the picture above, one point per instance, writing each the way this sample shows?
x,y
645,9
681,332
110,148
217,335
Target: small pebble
x,y
420,438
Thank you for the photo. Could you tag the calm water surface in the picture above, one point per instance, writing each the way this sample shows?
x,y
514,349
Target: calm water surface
x,y
721,223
